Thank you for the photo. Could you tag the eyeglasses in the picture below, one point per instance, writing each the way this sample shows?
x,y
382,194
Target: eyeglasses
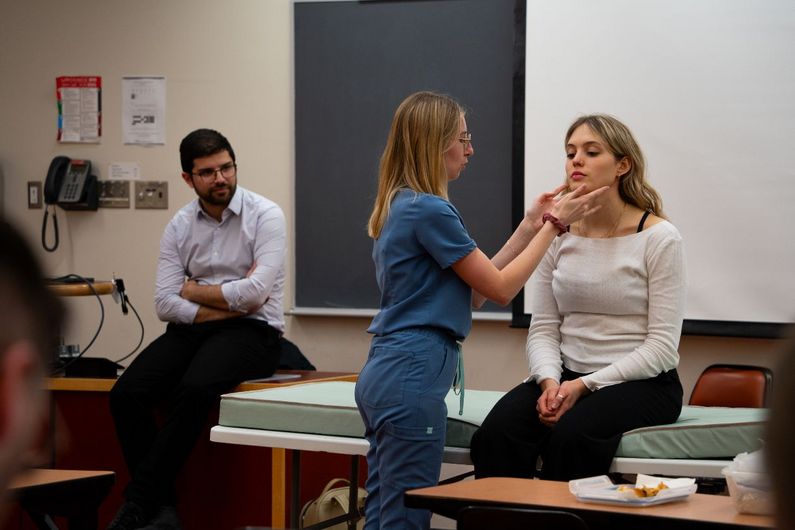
x,y
466,139
228,170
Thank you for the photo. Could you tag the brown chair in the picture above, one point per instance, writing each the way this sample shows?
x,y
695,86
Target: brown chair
x,y
509,518
732,385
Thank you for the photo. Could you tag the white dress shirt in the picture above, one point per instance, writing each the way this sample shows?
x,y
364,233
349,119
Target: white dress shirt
x,y
195,246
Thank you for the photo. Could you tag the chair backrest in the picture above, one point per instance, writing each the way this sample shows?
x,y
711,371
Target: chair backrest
x,y
733,385
507,518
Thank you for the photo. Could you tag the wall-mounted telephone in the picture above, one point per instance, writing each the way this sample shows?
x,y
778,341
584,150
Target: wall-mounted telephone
x,y
70,185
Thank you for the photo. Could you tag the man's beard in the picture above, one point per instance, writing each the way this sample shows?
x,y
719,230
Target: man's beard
x,y
209,197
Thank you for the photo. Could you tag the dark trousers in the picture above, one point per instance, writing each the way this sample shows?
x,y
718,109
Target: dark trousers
x,y
187,368
583,442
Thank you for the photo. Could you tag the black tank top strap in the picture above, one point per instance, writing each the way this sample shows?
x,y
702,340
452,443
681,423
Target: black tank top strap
x,y
643,220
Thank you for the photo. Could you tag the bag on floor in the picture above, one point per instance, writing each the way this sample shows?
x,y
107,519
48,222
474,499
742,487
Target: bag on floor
x,y
331,503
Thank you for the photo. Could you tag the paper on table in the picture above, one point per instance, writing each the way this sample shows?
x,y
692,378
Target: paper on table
x,y
650,482
600,489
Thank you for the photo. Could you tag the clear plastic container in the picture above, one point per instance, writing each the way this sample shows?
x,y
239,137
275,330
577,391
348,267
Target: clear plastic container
x,y
750,491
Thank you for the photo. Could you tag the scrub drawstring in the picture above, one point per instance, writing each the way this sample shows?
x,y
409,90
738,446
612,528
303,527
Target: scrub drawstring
x,y
458,380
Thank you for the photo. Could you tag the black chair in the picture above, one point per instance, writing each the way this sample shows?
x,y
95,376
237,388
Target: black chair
x,y
505,518
291,357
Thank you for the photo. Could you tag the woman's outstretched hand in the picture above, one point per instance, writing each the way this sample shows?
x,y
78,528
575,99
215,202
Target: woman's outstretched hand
x,y
578,204
541,205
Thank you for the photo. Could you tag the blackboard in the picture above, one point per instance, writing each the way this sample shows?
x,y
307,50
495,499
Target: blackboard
x,y
354,63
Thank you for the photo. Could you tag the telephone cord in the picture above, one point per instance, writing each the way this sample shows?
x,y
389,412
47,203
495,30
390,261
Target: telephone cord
x,y
44,229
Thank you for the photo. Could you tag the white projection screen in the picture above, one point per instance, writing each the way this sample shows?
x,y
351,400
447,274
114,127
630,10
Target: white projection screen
x,y
708,88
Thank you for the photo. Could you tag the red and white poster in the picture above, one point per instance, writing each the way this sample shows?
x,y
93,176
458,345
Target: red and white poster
x,y
79,108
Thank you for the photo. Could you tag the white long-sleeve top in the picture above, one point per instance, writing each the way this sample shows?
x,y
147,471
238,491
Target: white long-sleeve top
x,y
196,246
610,306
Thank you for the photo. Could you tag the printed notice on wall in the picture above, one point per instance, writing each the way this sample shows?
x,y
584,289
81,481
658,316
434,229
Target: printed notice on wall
x,y
144,110
124,171
79,108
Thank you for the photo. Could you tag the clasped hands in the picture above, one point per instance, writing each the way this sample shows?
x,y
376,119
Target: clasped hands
x,y
556,399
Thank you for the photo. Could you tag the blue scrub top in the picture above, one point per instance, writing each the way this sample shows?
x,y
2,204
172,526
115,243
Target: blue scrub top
x,y
423,235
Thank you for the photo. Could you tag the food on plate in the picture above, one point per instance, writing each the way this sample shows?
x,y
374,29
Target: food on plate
x,y
644,491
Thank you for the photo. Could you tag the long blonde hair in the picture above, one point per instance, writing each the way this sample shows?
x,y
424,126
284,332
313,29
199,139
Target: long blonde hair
x,y
632,188
424,125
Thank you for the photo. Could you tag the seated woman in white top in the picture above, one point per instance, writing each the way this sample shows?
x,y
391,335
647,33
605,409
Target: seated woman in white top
x,y
607,309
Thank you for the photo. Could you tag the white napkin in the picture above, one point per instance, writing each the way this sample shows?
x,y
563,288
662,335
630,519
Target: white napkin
x,y
650,482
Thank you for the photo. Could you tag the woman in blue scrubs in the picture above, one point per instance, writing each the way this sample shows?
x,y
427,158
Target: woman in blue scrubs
x,y
427,266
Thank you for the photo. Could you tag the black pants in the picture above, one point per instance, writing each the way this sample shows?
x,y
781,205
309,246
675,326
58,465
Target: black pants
x,y
186,368
583,442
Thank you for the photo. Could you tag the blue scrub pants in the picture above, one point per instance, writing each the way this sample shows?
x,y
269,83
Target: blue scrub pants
x,y
400,394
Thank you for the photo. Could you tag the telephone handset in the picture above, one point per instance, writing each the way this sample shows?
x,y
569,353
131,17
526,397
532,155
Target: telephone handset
x,y
67,181
70,185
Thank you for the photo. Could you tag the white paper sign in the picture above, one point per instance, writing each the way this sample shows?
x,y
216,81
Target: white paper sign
x,y
124,171
144,110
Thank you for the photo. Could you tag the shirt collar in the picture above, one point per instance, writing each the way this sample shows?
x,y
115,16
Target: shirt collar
x,y
234,206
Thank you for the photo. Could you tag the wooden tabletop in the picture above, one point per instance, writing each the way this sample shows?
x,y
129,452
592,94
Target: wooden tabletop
x,y
39,477
90,384
698,508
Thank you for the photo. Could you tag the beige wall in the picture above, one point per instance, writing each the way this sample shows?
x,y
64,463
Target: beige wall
x,y
228,66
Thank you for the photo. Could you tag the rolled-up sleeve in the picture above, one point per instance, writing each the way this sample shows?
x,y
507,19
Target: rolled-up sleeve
x,y
169,305
270,243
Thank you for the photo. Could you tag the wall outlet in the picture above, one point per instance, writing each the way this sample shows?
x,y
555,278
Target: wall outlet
x,y
34,194
151,195
114,193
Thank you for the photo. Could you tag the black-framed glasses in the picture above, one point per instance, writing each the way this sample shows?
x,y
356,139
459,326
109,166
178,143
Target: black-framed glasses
x,y
228,170
466,139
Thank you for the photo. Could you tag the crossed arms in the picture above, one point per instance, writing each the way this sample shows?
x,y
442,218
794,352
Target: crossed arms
x,y
190,289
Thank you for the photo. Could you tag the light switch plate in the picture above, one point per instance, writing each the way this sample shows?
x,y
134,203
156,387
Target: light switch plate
x,y
151,194
114,193
34,194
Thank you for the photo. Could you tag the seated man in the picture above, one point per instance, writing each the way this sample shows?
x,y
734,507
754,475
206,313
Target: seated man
x,y
28,342
220,279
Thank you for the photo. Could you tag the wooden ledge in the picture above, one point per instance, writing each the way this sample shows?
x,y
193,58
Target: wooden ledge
x,y
81,289
95,384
